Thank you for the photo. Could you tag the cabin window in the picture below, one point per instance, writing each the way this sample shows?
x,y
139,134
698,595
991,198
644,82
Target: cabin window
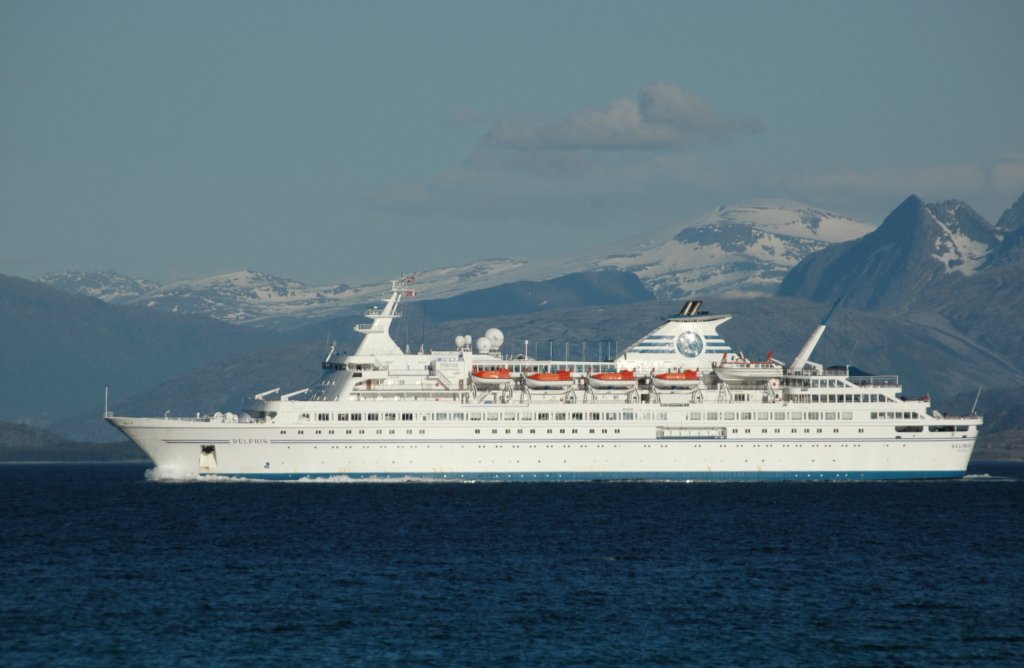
x,y
343,417
543,416
389,417
712,415
323,417
746,416
356,417
407,417
373,417
559,416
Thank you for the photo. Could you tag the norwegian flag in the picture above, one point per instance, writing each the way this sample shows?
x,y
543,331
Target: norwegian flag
x,y
409,293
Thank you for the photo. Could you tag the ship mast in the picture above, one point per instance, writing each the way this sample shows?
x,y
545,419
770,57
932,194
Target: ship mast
x,y
376,340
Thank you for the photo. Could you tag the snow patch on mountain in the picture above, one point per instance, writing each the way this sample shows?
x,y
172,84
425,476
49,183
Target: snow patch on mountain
x,y
736,250
963,240
253,297
108,286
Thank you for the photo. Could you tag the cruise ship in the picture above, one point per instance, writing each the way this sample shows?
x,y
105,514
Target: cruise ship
x,y
679,404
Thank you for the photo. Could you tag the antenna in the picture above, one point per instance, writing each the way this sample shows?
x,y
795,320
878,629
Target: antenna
x,y
974,408
106,391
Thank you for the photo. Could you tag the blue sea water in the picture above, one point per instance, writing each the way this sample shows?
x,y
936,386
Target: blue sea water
x,y
99,566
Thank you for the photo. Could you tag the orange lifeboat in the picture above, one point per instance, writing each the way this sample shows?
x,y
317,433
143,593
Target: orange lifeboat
x,y
491,377
549,380
612,380
675,380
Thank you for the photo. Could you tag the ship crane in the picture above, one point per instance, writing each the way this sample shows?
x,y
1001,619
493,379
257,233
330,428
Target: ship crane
x,y
805,352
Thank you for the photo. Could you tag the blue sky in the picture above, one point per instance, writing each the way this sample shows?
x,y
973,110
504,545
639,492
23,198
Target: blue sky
x,y
332,142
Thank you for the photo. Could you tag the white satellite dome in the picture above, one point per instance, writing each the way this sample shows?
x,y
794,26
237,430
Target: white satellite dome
x,y
483,345
459,342
496,337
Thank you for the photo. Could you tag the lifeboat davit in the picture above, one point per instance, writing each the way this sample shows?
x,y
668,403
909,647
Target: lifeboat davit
x,y
676,380
612,380
742,369
491,378
549,380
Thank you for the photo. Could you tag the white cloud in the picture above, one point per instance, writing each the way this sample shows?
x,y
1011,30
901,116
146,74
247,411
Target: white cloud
x,y
628,165
663,117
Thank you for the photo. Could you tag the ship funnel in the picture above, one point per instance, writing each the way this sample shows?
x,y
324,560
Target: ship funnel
x,y
691,307
805,352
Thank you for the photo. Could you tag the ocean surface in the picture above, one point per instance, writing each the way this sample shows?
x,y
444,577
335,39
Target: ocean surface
x,y
100,566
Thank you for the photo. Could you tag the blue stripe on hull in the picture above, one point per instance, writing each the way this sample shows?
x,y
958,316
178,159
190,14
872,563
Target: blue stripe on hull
x,y
585,476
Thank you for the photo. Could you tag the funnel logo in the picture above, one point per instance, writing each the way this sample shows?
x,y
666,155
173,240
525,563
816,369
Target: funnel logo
x,y
690,344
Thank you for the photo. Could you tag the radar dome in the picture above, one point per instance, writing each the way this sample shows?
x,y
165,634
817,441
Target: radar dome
x,y
483,345
496,337
460,341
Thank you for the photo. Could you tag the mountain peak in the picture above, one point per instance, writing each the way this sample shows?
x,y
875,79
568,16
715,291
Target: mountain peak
x,y
911,202
915,245
1013,218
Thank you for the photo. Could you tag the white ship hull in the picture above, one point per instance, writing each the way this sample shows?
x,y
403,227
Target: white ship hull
x,y
385,413
665,450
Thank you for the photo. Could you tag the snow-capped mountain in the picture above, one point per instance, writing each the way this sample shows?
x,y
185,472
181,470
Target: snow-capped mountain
x,y
258,298
732,250
916,246
109,286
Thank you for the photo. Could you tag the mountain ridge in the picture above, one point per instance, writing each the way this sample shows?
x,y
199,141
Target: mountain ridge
x,y
917,247
743,248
